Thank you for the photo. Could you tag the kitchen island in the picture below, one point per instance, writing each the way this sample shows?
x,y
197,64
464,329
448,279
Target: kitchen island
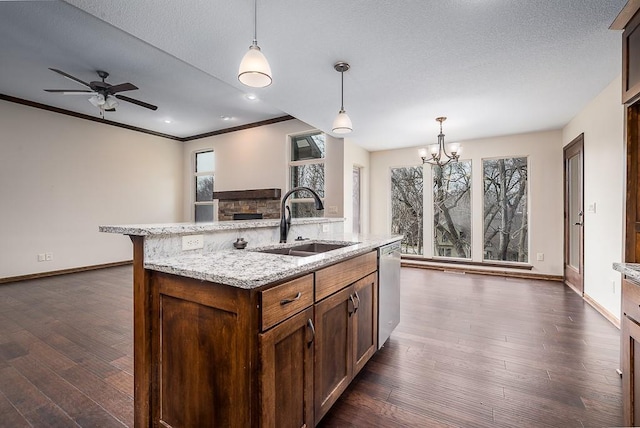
x,y
245,337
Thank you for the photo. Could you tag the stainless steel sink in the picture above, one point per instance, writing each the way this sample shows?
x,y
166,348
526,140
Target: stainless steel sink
x,y
306,250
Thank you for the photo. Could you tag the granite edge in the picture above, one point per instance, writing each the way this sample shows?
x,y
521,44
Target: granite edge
x,y
189,228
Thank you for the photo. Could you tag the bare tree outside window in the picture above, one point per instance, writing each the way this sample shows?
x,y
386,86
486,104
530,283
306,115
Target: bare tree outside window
x,y
452,210
505,209
407,207
306,168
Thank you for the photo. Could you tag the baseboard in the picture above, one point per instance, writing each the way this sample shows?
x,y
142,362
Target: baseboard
x,y
62,272
603,311
474,270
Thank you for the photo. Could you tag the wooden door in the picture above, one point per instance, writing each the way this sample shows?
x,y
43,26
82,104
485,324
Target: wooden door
x,y
365,330
286,373
574,214
333,349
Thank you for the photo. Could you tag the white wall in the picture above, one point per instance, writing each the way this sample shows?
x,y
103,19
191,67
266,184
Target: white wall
x,y
544,152
356,156
602,122
61,177
257,158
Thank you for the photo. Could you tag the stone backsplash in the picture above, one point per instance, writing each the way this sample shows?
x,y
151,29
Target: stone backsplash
x,y
270,209
254,201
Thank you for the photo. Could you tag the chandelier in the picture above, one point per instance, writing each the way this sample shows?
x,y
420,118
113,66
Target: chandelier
x,y
438,152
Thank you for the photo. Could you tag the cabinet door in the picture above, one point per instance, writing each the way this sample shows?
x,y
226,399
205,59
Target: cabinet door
x,y
286,373
365,320
631,367
333,347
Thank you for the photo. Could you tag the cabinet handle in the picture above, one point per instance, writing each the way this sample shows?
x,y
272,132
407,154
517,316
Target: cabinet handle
x,y
313,331
352,307
287,301
358,298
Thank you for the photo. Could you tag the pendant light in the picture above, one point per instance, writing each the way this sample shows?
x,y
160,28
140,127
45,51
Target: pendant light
x,y
342,122
437,155
254,68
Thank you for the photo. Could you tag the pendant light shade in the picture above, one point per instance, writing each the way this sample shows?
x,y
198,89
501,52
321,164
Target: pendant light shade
x,y
342,122
254,68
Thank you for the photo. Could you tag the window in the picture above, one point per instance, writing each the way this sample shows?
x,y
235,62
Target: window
x,y
452,210
306,168
406,207
505,209
203,176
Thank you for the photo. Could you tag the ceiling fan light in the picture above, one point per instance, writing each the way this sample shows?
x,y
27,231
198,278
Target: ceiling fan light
x,y
254,69
97,100
342,123
110,103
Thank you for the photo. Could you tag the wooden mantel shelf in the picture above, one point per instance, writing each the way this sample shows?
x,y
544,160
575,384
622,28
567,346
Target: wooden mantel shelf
x,y
238,195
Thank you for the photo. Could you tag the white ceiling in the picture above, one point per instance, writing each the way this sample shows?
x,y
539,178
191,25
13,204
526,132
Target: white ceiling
x,y
494,67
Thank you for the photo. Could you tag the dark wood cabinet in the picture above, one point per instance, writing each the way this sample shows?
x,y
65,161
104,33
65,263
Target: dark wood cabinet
x,y
366,321
274,356
286,373
630,331
333,347
201,349
347,337
629,21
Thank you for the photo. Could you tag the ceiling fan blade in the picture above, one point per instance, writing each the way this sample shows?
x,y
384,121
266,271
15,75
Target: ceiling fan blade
x,y
68,76
70,91
134,101
122,87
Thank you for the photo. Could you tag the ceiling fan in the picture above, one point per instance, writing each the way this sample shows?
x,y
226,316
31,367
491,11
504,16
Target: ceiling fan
x,y
103,94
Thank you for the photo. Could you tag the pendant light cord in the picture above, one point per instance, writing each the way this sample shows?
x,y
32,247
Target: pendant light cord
x,y
342,90
255,22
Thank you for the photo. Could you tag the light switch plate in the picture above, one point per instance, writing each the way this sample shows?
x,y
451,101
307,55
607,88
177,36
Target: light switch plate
x,y
540,257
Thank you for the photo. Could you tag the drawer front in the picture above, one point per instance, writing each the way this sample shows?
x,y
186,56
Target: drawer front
x,y
284,300
334,278
631,299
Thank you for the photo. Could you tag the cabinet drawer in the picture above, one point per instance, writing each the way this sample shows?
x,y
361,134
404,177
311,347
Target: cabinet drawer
x,y
284,300
333,278
631,299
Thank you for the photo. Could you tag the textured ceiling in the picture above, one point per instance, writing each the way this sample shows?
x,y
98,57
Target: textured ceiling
x,y
494,67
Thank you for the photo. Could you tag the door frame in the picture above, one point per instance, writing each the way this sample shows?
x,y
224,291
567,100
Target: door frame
x,y
573,278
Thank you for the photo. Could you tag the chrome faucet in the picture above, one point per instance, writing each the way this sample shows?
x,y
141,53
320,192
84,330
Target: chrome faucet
x,y
285,219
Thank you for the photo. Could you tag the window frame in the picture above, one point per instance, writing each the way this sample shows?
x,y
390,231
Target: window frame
x,y
194,179
295,199
435,249
528,211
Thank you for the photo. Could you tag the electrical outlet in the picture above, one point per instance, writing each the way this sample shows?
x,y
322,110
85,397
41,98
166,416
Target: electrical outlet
x,y
41,257
192,242
48,256
540,257
325,228
332,209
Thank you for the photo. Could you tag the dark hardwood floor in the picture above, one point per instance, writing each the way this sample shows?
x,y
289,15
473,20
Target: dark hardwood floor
x,y
471,351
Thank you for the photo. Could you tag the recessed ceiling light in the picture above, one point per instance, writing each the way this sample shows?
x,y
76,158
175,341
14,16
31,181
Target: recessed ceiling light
x,y
167,121
225,117
251,97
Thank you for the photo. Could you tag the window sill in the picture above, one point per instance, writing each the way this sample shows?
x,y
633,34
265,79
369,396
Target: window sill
x,y
445,261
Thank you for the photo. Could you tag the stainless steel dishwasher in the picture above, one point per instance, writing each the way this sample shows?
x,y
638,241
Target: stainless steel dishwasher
x,y
388,290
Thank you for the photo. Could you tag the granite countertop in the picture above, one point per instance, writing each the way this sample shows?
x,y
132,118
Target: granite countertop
x,y
631,270
249,268
188,228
